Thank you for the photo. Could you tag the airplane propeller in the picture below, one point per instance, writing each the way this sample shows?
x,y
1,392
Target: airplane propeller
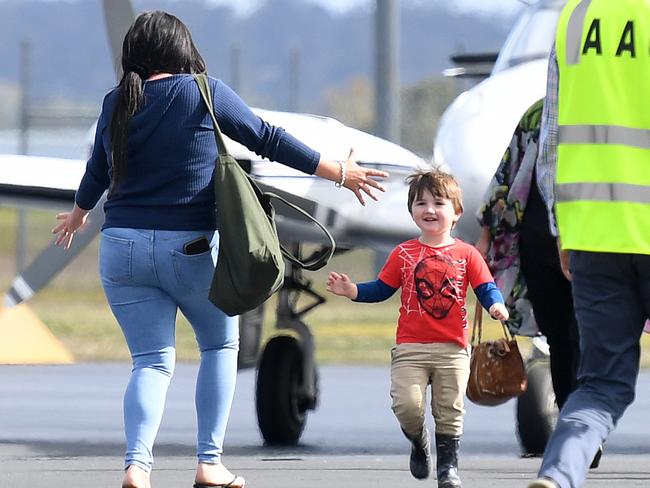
x,y
53,259
118,18
119,15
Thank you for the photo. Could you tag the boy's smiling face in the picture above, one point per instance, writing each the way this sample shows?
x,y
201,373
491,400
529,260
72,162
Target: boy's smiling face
x,y
434,216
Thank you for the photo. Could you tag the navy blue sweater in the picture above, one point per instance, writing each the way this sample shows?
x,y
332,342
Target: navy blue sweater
x,y
172,152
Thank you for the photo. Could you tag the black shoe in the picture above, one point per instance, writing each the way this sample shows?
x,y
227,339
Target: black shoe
x,y
596,461
447,460
420,461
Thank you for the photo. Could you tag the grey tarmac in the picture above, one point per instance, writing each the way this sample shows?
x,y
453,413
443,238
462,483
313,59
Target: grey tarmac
x,y
61,426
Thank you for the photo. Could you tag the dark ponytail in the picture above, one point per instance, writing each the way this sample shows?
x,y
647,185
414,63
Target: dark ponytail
x,y
128,102
157,42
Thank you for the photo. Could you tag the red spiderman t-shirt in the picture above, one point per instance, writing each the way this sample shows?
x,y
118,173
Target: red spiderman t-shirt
x,y
434,286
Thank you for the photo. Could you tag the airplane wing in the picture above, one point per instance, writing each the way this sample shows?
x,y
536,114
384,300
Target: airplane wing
x,y
39,182
50,183
351,224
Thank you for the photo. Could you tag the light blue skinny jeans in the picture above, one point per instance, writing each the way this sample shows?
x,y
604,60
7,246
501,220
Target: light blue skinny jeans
x,y
147,278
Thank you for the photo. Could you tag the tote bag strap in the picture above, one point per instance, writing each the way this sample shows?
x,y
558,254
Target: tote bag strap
x,y
321,258
202,80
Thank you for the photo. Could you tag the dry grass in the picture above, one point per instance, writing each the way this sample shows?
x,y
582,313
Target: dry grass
x,y
74,308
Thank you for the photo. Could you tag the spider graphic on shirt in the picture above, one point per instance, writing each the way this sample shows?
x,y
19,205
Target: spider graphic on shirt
x,y
437,284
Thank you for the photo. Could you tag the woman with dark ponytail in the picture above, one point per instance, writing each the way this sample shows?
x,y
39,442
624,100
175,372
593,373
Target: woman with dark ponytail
x,y
154,152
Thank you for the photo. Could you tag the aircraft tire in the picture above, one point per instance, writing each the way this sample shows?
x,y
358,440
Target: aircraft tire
x,y
250,337
281,413
536,409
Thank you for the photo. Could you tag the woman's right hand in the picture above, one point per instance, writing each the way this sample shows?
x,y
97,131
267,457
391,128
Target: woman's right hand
x,y
358,180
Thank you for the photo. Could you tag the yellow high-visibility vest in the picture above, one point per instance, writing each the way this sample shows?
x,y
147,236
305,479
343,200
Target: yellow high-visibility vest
x,y
603,168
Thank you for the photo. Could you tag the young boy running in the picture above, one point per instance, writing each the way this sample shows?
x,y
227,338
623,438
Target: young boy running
x,y
433,272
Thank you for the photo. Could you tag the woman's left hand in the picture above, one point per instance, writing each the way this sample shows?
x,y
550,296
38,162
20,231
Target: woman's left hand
x,y
72,222
359,180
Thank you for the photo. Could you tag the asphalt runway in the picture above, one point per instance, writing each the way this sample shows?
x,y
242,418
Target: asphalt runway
x,y
61,426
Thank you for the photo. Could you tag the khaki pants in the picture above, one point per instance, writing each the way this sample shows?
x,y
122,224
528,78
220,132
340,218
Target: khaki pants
x,y
443,365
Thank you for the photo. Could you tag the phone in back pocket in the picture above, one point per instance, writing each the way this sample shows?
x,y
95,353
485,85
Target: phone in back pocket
x,y
196,246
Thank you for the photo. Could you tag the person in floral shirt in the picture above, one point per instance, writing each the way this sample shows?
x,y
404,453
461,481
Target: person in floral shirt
x,y
522,254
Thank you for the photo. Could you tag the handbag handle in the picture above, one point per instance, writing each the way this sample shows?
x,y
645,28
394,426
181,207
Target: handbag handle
x,y
321,258
477,326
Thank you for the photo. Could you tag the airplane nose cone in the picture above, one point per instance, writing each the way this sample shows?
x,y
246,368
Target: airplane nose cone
x,y
477,127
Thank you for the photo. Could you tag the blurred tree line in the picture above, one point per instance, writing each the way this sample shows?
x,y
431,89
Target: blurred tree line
x,y
422,106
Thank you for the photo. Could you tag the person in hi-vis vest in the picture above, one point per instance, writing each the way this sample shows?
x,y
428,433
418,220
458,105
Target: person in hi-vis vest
x,y
598,86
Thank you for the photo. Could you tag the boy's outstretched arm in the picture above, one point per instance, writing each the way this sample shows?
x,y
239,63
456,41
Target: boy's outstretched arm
x,y
367,292
340,284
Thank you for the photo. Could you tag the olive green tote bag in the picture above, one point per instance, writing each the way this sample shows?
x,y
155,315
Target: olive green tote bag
x,y
250,264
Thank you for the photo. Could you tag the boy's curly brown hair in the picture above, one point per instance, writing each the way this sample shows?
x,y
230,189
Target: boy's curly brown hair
x,y
436,181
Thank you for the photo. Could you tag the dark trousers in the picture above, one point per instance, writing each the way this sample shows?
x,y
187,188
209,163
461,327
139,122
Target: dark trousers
x,y
611,293
550,295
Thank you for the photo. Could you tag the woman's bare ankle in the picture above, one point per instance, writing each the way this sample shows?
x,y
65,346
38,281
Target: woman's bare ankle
x,y
216,474
136,477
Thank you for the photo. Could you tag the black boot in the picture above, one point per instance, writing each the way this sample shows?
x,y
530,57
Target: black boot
x,y
420,462
596,460
447,460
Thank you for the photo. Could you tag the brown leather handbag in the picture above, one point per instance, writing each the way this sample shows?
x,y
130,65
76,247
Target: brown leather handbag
x,y
497,371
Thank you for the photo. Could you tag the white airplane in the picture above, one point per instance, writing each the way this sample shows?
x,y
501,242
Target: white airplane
x,y
286,381
477,126
473,134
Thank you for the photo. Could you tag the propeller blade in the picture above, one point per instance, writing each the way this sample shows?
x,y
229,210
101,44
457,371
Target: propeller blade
x,y
119,16
52,260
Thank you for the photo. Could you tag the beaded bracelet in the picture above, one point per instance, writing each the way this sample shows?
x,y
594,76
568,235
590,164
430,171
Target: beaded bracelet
x,y
339,184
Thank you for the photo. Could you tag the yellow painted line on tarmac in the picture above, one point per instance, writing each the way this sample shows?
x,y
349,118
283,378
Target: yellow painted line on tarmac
x,y
24,339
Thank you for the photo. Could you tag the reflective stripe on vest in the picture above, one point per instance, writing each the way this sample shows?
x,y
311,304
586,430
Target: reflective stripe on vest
x,y
604,134
602,192
574,32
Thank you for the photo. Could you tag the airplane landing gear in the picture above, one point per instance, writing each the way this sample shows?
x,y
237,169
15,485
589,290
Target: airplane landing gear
x,y
250,337
536,409
287,378
281,404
